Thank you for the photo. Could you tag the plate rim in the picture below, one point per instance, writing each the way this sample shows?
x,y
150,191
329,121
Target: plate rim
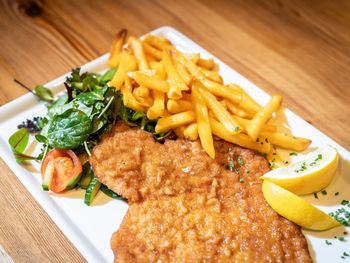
x,y
58,216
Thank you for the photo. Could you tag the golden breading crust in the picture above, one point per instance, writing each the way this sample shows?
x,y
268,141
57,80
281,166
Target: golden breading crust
x,y
186,207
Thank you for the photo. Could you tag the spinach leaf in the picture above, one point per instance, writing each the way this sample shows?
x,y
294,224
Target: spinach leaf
x,y
76,104
44,93
57,106
89,98
90,82
98,124
19,140
107,76
69,129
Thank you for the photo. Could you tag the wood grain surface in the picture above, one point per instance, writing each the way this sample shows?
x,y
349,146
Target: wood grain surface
x,y
300,49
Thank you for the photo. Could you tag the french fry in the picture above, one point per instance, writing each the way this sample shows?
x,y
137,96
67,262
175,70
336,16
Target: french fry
x,y
179,131
222,91
187,96
176,106
212,115
151,82
206,63
150,58
192,68
142,92
159,68
212,75
240,139
287,141
157,108
128,98
183,73
275,159
113,62
203,125
157,42
171,122
139,53
236,110
244,122
256,124
147,72
127,63
164,39
215,68
247,103
193,57
145,101
176,83
151,51
219,111
166,113
117,46
191,132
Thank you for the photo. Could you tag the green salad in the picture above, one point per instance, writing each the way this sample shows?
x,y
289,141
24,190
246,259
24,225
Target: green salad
x,y
75,122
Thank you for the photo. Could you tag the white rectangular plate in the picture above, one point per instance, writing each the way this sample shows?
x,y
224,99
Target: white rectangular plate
x,y
90,228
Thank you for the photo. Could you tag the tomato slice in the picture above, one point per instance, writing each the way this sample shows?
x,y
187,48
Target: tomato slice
x,y
66,170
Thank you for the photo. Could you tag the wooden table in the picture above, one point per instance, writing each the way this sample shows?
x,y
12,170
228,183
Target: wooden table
x,y
300,49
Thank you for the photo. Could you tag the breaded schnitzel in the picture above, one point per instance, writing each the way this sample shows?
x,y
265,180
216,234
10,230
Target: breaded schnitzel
x,y
186,207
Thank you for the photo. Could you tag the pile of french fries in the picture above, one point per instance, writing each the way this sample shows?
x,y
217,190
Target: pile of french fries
x,y
186,94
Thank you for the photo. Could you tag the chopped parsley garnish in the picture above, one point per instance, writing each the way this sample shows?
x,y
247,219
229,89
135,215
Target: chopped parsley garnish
x,y
337,193
302,168
346,254
240,161
324,192
247,171
293,154
328,243
319,157
342,216
315,195
241,180
341,238
231,165
304,165
345,202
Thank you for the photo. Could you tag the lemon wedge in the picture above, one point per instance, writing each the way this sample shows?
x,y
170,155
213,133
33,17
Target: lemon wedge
x,y
296,209
310,175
